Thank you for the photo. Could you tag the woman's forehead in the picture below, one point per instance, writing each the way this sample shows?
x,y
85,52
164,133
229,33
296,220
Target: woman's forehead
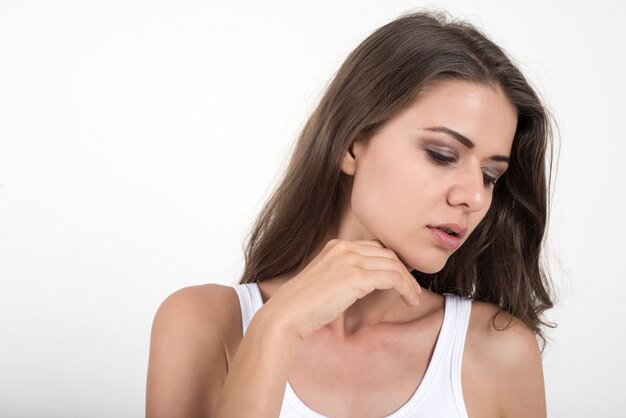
x,y
475,111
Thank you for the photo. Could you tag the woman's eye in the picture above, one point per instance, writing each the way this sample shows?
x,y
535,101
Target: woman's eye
x,y
489,180
444,160
440,158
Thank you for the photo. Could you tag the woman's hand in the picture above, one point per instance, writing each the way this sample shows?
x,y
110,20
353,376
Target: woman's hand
x,y
342,272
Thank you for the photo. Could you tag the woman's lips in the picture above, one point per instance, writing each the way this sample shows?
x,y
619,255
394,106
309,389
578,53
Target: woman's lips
x,y
444,239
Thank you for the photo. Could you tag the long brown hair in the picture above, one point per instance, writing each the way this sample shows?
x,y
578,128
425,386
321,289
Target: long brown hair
x,y
500,262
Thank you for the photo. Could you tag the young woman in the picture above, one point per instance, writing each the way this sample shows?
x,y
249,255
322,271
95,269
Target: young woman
x,y
396,269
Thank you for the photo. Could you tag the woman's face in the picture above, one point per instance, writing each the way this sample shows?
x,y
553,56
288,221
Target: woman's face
x,y
433,163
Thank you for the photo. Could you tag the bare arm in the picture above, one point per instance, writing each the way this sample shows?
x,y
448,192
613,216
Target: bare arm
x,y
187,363
521,392
188,374
259,371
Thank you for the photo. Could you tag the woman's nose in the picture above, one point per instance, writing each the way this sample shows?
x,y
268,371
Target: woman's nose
x,y
469,191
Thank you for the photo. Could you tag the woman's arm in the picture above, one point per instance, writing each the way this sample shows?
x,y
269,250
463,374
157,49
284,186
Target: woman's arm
x,y
255,385
517,362
188,373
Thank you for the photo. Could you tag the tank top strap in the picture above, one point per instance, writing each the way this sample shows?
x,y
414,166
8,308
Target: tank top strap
x,y
250,301
462,307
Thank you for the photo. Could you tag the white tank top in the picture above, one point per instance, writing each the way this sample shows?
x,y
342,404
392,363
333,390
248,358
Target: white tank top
x,y
439,393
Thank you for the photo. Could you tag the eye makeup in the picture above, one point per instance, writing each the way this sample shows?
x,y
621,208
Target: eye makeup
x,y
443,159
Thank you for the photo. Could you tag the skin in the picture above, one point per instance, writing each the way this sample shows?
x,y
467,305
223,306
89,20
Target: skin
x,y
380,346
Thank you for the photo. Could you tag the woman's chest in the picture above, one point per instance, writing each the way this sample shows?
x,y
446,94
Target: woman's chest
x,y
353,382
376,379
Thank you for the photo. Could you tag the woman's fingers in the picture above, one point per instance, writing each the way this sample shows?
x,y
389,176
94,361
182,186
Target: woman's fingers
x,y
373,248
399,278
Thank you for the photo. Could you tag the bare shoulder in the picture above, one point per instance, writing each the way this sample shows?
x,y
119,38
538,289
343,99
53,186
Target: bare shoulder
x,y
209,307
507,350
207,311
188,357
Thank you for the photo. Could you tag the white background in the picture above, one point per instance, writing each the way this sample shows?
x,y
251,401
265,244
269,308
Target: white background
x,y
139,139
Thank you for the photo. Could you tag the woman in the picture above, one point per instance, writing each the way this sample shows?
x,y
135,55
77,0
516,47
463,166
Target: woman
x,y
396,270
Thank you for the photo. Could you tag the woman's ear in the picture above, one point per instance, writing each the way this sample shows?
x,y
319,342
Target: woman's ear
x,y
350,161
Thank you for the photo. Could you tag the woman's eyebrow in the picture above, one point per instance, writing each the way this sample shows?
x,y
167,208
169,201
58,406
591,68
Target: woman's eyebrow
x,y
464,140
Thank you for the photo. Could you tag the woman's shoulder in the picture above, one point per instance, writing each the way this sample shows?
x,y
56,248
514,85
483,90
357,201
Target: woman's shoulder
x,y
213,306
495,327
197,299
506,351
498,335
206,308
188,347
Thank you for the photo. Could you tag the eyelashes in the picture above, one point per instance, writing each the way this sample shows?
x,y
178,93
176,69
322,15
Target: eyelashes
x,y
445,160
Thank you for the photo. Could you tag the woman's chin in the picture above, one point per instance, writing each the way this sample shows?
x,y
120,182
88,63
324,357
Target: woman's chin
x,y
431,268
428,264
